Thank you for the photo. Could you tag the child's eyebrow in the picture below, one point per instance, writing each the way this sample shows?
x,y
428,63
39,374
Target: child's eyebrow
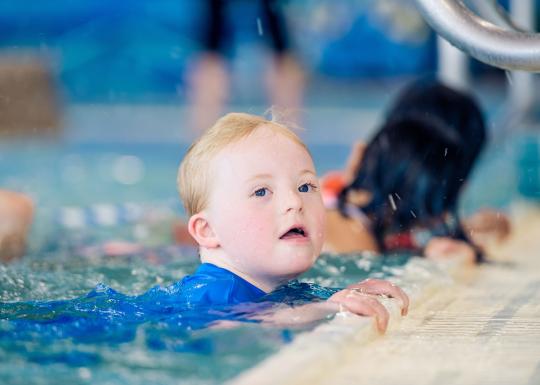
x,y
307,171
259,176
270,176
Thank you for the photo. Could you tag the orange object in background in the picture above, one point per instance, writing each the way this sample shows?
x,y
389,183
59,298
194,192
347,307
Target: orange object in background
x,y
331,185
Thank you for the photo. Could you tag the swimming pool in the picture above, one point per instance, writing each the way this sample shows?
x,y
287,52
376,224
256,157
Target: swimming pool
x,y
65,261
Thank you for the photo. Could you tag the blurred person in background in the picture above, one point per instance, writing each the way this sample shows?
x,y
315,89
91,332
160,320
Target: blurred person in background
x,y
401,191
16,214
209,79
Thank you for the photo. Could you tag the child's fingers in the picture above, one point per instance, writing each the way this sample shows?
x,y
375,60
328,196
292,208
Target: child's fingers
x,y
373,308
366,305
378,286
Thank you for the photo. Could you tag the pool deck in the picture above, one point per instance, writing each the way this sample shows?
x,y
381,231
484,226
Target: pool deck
x,y
474,326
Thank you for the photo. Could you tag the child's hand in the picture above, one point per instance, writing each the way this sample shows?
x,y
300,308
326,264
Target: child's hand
x,y
440,248
381,287
359,299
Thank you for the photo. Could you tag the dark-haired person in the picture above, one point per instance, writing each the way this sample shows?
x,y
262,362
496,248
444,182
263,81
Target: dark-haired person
x,y
405,192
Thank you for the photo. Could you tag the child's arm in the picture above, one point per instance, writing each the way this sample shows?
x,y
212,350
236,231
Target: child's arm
x,y
359,298
347,235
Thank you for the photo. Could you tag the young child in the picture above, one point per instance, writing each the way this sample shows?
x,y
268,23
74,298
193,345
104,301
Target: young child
x,y
250,189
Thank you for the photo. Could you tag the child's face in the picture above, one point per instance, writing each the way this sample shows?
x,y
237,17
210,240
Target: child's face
x,y
265,206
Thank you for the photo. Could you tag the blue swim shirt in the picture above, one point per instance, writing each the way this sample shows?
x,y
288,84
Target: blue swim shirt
x,y
211,285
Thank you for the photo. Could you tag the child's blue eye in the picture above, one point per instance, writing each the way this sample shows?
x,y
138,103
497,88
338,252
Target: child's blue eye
x,y
306,187
260,192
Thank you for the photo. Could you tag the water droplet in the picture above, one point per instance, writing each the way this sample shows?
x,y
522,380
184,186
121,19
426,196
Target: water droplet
x,y
259,26
392,203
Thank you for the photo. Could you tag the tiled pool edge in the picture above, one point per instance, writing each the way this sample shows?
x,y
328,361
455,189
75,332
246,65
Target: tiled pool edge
x,y
303,360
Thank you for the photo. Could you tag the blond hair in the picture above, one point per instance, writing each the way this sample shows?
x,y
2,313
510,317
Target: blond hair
x,y
193,176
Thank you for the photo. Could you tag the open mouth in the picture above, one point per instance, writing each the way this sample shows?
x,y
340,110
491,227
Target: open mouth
x,y
295,232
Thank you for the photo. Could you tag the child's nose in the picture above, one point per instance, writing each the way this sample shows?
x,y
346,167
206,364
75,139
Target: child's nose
x,y
293,201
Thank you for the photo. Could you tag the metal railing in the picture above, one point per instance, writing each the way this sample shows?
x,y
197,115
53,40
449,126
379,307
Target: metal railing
x,y
505,47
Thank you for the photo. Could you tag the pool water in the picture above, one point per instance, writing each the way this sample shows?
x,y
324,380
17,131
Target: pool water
x,y
79,338
101,335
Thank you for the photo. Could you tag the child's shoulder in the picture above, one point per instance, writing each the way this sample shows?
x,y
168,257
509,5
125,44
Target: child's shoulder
x,y
213,285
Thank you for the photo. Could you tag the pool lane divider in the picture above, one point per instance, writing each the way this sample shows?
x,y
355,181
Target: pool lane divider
x,y
319,351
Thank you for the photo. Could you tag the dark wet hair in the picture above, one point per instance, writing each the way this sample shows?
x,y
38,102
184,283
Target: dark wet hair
x,y
417,163
432,102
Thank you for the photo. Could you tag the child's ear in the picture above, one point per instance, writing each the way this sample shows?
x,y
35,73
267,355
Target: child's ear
x,y
199,228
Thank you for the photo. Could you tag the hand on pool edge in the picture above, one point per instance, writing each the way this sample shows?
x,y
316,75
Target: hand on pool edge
x,y
359,298
382,287
362,304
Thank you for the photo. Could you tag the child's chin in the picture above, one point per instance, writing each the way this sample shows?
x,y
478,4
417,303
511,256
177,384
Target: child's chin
x,y
300,264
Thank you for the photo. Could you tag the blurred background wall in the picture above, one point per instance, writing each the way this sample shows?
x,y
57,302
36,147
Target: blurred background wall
x,y
140,50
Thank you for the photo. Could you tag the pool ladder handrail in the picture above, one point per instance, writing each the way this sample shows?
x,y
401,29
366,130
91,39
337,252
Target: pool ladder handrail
x,y
505,46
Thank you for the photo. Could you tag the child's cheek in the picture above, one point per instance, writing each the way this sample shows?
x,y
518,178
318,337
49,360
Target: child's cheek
x,y
321,232
257,226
